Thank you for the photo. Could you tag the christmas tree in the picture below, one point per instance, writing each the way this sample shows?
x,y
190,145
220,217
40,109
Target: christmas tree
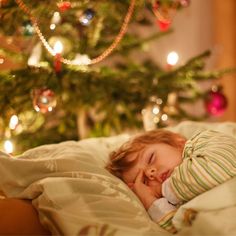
x,y
77,77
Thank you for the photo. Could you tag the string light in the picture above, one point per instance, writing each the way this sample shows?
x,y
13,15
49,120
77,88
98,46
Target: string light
x,y
155,110
13,122
52,26
56,19
1,60
172,58
164,117
8,146
101,57
58,47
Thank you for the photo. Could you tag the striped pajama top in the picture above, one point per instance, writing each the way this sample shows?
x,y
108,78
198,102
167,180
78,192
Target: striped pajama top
x,y
209,159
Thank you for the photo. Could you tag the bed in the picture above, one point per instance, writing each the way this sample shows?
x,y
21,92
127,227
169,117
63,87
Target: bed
x,y
72,194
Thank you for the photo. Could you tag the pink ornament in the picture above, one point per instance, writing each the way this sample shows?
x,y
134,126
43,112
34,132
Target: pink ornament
x,y
216,103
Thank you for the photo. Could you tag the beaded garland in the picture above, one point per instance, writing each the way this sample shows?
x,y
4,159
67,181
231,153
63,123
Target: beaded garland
x,y
99,58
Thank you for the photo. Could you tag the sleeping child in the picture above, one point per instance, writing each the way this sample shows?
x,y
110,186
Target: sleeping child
x,y
165,170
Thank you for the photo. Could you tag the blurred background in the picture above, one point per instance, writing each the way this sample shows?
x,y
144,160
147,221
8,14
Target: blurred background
x,y
205,25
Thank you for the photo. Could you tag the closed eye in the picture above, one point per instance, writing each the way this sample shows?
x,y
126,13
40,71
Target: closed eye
x,y
151,158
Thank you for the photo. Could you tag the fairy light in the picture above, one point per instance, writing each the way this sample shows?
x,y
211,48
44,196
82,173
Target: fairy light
x,y
1,60
56,19
8,146
52,26
164,117
156,119
172,58
58,47
84,21
13,122
155,110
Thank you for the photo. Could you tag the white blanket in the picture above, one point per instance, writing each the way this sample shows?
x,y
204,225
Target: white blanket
x,y
211,213
72,191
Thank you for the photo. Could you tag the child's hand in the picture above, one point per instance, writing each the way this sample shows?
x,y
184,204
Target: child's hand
x,y
144,192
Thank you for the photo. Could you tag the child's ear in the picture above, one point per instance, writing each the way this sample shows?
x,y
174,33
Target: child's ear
x,y
181,142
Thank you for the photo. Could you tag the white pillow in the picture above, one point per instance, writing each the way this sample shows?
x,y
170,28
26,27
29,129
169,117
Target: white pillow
x,y
190,128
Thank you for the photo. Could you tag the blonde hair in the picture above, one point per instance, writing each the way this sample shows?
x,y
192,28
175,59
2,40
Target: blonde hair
x,y
118,161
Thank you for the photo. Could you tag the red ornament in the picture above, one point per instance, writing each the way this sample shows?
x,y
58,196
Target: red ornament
x,y
216,103
44,100
57,63
164,15
164,25
64,6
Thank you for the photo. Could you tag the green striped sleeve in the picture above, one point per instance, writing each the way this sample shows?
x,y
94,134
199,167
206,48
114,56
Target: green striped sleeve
x,y
209,159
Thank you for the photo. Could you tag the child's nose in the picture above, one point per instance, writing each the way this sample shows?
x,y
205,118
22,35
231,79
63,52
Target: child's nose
x,y
151,173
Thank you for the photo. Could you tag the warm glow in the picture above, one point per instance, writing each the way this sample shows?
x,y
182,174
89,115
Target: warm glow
x,y
52,26
156,119
81,59
56,18
13,122
1,60
172,58
33,61
35,56
8,146
58,47
164,117
155,110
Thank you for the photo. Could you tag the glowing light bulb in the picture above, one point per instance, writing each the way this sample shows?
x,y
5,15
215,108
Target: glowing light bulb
x,y
53,26
8,146
155,110
56,19
172,58
58,47
13,122
164,117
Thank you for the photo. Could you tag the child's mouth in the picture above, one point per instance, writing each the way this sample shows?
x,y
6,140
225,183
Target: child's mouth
x,y
164,176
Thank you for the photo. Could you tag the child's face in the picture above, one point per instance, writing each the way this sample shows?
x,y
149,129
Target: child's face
x,y
157,162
